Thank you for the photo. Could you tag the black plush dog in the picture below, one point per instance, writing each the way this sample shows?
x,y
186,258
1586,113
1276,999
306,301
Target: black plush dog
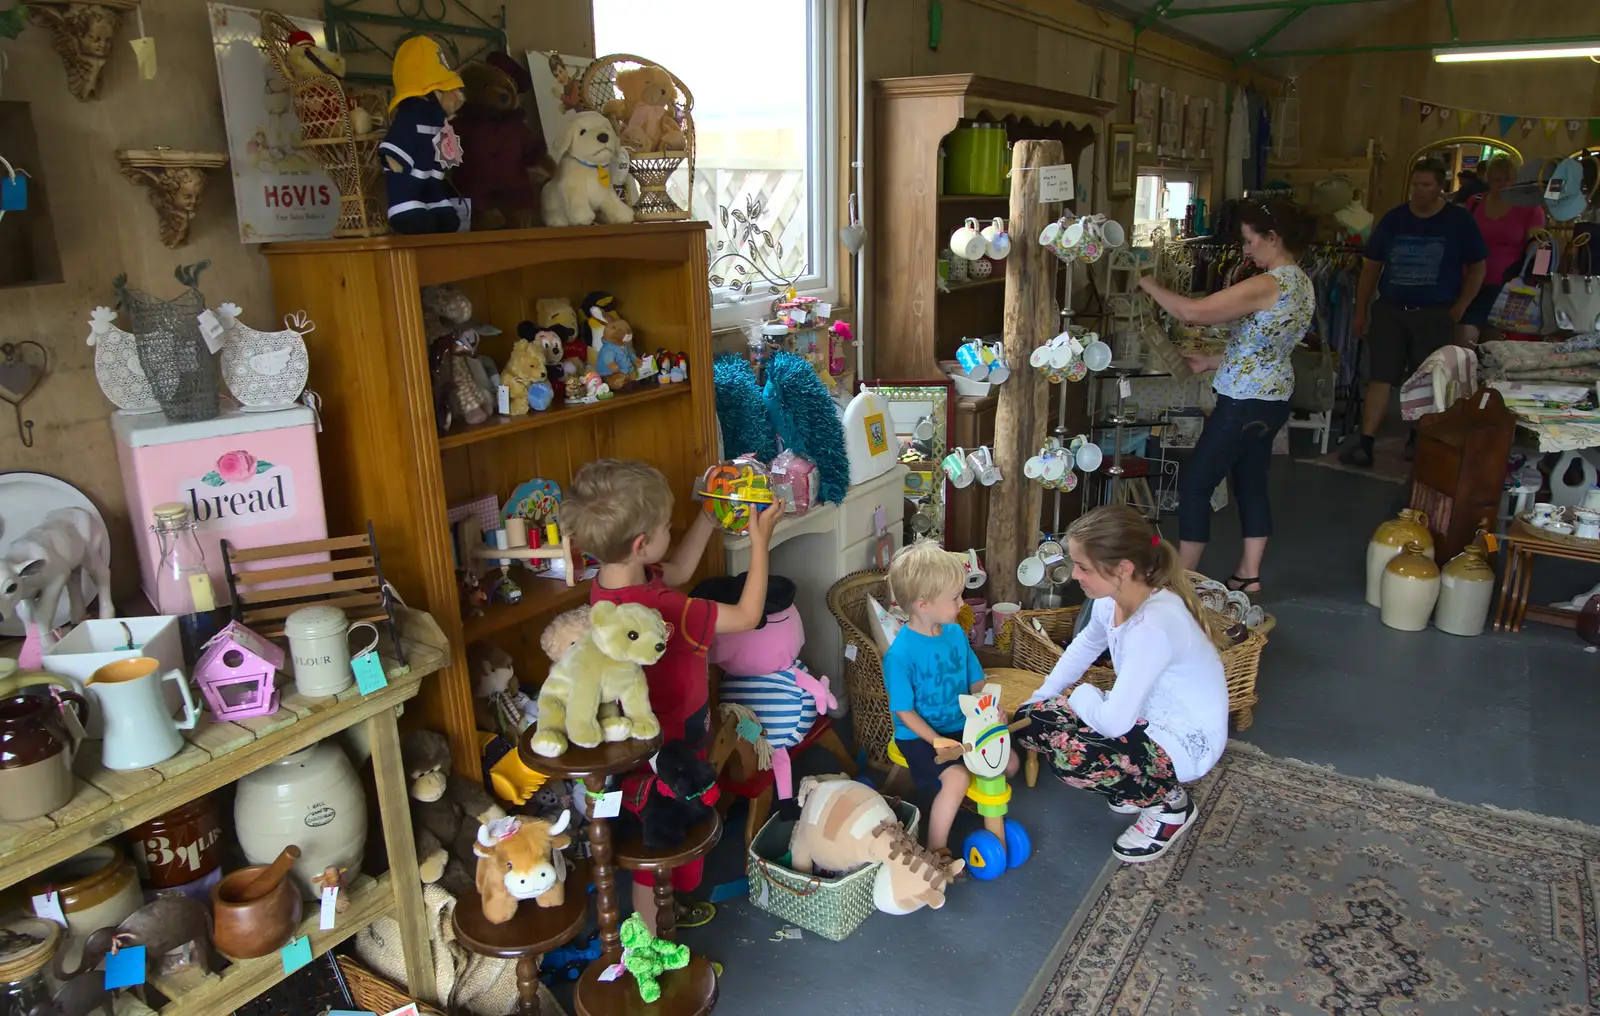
x,y
679,797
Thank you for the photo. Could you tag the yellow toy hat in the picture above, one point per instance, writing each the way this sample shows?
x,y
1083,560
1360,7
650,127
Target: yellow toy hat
x,y
420,68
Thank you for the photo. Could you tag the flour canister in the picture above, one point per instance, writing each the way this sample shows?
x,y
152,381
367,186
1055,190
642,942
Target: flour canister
x,y
1466,586
312,799
1387,541
1410,589
319,644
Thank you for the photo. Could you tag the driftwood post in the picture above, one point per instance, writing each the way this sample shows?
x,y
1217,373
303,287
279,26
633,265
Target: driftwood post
x,y
1023,411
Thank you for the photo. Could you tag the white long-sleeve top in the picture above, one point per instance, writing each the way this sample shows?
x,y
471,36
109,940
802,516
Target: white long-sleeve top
x,y
1168,674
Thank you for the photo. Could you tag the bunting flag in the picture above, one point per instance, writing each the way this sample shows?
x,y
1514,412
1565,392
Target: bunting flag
x,y
1527,126
1427,111
1551,125
1484,120
1506,123
1573,127
1464,117
1444,114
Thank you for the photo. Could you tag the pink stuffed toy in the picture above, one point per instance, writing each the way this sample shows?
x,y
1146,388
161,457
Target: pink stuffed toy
x,y
762,670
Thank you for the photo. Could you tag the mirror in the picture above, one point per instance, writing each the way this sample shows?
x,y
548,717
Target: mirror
x,y
1457,154
919,416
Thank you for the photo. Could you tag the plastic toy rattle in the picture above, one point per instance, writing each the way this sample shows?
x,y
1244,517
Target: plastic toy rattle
x,y
985,748
730,492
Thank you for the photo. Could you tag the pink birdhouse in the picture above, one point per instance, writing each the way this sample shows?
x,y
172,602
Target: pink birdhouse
x,y
235,674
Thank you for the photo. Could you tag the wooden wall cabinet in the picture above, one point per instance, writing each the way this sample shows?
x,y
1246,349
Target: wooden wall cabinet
x,y
914,325
28,253
384,460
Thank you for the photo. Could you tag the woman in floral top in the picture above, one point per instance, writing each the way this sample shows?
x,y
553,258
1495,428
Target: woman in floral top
x,y
1270,313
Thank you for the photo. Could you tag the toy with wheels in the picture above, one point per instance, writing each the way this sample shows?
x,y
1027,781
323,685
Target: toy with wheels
x,y
732,492
1002,844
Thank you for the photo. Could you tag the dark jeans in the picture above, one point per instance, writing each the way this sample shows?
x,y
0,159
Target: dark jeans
x,y
1238,439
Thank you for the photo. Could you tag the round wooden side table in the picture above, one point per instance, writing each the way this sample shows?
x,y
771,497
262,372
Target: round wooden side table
x,y
534,931
632,854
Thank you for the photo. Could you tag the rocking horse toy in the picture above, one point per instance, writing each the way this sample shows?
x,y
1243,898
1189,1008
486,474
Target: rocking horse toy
x,y
1002,843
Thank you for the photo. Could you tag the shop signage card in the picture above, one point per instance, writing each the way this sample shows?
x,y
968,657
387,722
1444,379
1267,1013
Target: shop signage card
x,y
279,194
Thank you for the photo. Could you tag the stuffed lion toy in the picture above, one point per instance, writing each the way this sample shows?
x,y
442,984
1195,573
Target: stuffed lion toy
x,y
644,114
580,699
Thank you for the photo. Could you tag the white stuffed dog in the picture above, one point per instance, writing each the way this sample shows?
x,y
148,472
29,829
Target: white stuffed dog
x,y
582,190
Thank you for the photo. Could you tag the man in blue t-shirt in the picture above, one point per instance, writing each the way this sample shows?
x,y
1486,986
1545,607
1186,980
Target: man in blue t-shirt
x,y
1425,260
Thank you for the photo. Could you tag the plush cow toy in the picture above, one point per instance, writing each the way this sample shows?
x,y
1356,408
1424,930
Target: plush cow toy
x,y
520,858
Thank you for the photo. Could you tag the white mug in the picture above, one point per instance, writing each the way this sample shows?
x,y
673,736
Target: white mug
x,y
1588,523
1089,456
1097,355
139,730
999,369
1543,513
976,576
967,241
957,469
1030,571
1040,357
1114,235
1033,469
997,241
982,463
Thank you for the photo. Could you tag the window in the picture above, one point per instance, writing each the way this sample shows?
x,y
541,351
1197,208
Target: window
x,y
765,134
1157,198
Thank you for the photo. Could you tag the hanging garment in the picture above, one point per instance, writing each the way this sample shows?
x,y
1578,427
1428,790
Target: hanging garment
x,y
1238,148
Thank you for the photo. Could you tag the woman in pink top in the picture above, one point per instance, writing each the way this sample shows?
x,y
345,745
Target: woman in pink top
x,y
1506,229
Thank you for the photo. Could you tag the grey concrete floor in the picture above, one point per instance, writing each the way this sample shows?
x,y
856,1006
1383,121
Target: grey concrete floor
x,y
1498,719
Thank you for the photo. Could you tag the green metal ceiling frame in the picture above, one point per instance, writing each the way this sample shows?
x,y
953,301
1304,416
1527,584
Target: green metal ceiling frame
x,y
1411,47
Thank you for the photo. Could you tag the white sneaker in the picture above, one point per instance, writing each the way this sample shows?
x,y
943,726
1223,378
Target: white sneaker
x,y
1176,800
1155,831
1124,809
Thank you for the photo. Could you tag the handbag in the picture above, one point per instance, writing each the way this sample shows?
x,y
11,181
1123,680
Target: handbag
x,y
1313,379
1577,293
1519,307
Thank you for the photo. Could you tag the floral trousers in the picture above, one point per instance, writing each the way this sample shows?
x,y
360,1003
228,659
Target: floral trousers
x,y
1131,769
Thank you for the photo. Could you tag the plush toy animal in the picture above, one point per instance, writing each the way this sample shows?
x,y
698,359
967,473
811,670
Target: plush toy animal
x,y
845,825
50,559
469,380
648,957
446,811
644,114
606,668
507,164
551,341
526,378
676,795
555,310
584,150
615,361
520,858
421,144
566,631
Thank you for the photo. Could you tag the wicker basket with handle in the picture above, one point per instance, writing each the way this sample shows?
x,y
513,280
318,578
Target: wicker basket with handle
x,y
1038,651
373,993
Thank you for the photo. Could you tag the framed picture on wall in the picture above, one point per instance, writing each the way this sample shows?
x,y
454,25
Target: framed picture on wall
x,y
1119,160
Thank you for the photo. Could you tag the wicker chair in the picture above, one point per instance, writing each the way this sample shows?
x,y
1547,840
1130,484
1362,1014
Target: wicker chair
x,y
863,675
652,170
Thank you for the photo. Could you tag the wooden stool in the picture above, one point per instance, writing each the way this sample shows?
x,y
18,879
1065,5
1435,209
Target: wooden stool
x,y
534,931
1134,487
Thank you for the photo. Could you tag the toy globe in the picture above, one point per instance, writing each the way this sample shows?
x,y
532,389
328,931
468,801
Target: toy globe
x,y
732,492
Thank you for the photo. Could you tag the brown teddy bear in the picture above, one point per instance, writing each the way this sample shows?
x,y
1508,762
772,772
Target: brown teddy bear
x,y
523,372
645,113
506,164
446,812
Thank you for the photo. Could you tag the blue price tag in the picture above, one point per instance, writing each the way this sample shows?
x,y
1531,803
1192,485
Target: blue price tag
x,y
14,193
296,954
125,967
369,673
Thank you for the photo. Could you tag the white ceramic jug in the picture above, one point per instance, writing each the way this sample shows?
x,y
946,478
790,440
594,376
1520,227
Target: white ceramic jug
x,y
139,730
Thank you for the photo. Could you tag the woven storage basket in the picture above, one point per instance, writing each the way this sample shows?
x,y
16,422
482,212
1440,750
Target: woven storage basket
x,y
1032,651
373,993
652,170
830,907
863,676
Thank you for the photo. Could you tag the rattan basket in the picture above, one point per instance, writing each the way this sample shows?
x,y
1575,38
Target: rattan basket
x,y
328,138
1038,651
863,676
373,993
652,170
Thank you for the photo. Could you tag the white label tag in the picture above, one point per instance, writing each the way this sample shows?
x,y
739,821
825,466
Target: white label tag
x,y
850,652
799,317
764,888
1054,559
1055,184
824,310
609,805
1124,387
612,972
48,906
502,400
211,330
330,908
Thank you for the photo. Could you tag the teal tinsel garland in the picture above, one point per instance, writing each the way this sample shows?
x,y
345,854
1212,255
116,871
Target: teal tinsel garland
x,y
741,411
802,412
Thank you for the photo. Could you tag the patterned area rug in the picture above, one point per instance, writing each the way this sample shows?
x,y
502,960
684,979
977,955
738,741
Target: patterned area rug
x,y
1303,891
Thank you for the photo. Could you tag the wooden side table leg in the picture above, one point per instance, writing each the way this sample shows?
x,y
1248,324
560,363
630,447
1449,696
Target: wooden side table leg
x,y
394,806
666,916
608,913
1525,573
1502,612
528,986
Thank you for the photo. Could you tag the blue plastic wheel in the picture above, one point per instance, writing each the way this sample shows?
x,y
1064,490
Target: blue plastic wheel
x,y
985,855
1019,845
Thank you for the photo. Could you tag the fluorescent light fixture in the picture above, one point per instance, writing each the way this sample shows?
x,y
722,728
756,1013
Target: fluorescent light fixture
x,y
1513,52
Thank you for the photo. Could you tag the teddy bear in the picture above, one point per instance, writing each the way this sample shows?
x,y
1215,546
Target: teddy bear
x,y
616,360
520,858
551,341
464,379
446,811
566,631
644,114
526,379
507,165
606,666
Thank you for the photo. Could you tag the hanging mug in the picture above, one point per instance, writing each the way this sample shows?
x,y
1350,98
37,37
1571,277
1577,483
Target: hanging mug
x,y
1096,355
957,469
1033,469
976,576
982,463
1114,235
967,241
997,240
999,370
970,355
1030,571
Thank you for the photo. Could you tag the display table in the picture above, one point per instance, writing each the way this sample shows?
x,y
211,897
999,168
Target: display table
x,y
1520,546
826,542
532,932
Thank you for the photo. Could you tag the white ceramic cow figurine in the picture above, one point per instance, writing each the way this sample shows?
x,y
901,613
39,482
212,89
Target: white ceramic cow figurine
x,y
47,560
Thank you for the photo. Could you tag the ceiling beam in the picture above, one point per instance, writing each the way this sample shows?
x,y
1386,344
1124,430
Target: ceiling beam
x,y
1151,16
1251,50
1450,8
1261,5
1411,47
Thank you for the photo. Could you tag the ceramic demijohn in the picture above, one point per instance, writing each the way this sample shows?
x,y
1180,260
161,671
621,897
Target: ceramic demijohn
x,y
312,799
1466,587
1411,524
1410,589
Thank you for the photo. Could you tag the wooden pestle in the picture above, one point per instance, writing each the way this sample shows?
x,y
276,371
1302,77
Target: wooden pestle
x,y
268,879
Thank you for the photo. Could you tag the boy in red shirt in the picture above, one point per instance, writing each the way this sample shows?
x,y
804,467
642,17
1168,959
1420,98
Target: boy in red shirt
x,y
619,512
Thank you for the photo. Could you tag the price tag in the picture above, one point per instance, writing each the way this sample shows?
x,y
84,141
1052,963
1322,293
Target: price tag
x,y
14,193
879,525
211,330
330,908
799,317
205,599
294,955
125,967
850,652
48,906
609,805
502,400
369,672
824,310
1541,261
144,51
1124,387
1055,184
612,972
